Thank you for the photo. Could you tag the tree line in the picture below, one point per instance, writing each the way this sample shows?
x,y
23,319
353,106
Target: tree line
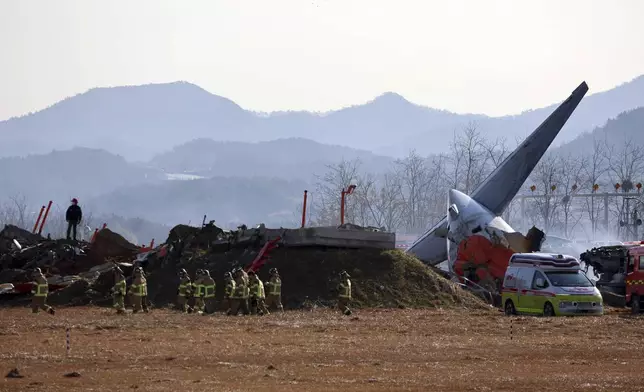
x,y
565,194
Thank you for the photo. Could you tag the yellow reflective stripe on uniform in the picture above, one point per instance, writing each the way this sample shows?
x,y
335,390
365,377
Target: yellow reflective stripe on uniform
x,y
276,288
120,287
634,282
239,291
209,291
261,293
42,289
137,289
345,290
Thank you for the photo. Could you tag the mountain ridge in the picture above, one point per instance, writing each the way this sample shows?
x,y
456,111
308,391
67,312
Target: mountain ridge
x,y
139,122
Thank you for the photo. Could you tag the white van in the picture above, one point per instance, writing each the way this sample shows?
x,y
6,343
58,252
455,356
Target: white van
x,y
550,285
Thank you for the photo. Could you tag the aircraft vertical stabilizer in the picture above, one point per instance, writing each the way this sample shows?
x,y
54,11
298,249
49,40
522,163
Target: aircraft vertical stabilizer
x,y
498,190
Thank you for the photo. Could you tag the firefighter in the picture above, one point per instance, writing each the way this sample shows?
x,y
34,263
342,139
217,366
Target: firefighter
x,y
228,291
40,290
257,295
209,286
144,298
274,291
199,291
239,298
137,290
192,299
119,290
344,293
184,291
73,216
244,275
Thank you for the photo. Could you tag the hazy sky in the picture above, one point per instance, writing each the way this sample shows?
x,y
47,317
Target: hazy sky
x,y
494,57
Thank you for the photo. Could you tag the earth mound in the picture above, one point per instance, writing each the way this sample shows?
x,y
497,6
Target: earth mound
x,y
309,277
80,274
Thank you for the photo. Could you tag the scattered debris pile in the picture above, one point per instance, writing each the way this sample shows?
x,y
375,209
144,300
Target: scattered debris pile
x,y
64,262
110,245
82,275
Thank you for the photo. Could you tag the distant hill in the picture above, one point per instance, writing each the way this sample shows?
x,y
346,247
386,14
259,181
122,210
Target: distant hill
x,y
134,121
141,121
60,175
230,201
252,182
139,201
627,126
293,158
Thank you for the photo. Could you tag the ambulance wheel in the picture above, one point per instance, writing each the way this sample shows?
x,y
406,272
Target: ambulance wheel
x,y
548,310
509,308
635,304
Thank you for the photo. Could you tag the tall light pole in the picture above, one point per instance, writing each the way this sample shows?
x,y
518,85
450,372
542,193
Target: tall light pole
x,y
304,209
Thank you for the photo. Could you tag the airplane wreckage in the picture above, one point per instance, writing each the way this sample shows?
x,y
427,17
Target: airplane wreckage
x,y
476,242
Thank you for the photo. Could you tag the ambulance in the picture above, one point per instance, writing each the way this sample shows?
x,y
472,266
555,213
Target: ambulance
x,y
549,285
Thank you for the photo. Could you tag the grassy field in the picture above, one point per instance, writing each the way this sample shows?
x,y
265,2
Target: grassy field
x,y
375,350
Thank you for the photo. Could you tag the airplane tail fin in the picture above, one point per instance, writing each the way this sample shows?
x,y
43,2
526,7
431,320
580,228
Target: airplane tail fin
x,y
498,190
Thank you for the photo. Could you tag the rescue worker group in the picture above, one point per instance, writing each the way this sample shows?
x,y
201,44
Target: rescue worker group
x,y
244,292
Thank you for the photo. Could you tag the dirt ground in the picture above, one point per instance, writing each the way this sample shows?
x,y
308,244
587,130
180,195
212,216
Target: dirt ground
x,y
374,350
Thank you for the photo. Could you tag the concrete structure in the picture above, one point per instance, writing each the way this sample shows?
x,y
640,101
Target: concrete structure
x,y
345,236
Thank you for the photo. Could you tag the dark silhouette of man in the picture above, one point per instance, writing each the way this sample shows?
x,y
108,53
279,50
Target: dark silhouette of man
x,y
73,216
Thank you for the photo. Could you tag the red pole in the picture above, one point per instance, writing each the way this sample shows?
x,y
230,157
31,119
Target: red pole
x,y
94,236
342,206
42,209
304,210
44,219
152,243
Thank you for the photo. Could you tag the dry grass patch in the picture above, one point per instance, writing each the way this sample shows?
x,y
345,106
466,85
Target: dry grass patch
x,y
376,350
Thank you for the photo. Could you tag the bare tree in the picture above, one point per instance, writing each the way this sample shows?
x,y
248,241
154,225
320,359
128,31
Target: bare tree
x,y
15,211
413,195
497,151
419,177
470,158
383,202
595,168
376,201
544,177
20,205
570,176
626,163
328,188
